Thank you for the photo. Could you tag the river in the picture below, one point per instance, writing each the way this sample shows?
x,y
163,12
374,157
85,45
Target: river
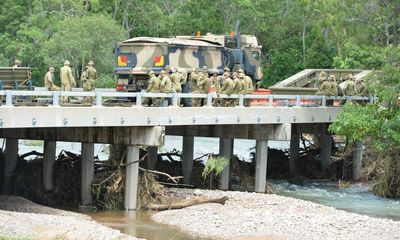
x,y
357,198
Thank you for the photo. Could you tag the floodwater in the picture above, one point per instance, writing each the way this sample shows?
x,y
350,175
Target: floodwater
x,y
139,224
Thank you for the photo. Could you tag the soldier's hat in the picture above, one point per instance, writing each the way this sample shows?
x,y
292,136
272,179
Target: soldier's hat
x,y
150,73
90,63
226,74
17,61
51,68
205,68
197,69
241,75
67,62
167,68
226,69
240,71
163,72
322,74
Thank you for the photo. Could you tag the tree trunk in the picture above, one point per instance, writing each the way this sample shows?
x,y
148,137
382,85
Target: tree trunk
x,y
116,9
395,23
160,207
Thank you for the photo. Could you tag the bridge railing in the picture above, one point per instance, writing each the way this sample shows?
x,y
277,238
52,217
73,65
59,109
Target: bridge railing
x,y
53,98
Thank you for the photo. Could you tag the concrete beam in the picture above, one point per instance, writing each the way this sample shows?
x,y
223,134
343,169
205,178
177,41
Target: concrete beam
x,y
152,157
132,178
261,165
294,150
148,136
87,172
49,157
226,151
187,158
326,151
10,165
357,160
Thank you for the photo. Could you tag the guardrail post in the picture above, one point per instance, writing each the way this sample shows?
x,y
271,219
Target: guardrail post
x,y
298,101
271,100
139,99
56,98
9,98
209,99
99,99
371,100
324,101
174,99
241,100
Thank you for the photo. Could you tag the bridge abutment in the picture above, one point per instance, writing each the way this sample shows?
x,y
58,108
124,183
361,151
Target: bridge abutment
x,y
226,151
131,177
187,158
294,150
87,172
261,165
49,155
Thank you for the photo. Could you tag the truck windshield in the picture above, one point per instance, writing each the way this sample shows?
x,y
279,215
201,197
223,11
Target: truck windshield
x,y
256,55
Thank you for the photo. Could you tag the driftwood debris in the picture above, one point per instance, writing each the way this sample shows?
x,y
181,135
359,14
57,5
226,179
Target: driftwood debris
x,y
193,202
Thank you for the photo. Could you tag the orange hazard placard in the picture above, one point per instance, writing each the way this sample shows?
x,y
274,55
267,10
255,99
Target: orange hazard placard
x,y
159,61
122,61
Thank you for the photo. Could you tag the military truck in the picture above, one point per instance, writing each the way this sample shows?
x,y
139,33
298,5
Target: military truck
x,y
16,78
135,57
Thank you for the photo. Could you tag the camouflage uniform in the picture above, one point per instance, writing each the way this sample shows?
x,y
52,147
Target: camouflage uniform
x,y
215,86
334,86
196,84
350,88
67,79
165,86
178,80
89,82
17,63
49,80
325,88
361,88
152,87
237,87
322,77
227,88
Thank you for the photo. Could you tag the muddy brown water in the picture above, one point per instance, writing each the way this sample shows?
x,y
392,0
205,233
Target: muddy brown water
x,y
140,225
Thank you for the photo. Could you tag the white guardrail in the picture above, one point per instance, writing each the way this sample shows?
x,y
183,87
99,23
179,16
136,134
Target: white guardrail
x,y
10,98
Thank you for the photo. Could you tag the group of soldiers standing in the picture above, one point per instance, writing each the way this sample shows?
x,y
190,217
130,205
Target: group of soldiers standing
x,y
328,86
88,79
172,80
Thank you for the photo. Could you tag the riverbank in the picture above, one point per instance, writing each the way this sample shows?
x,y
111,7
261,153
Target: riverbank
x,y
21,218
262,216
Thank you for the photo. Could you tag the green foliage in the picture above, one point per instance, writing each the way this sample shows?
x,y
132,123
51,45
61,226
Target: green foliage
x,y
214,165
360,57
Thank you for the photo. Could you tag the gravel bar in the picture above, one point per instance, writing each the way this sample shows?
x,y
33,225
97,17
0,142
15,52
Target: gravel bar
x,y
23,219
267,216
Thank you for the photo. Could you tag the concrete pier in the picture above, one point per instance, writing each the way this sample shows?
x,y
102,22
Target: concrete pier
x,y
261,165
132,178
152,157
87,172
187,158
226,151
326,150
357,160
10,164
49,155
294,151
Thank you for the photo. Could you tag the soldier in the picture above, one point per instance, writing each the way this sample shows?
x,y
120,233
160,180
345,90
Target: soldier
x,y
361,88
195,85
178,80
215,86
152,87
226,88
248,86
325,88
322,77
165,86
49,80
350,87
67,79
17,63
237,87
333,91
89,77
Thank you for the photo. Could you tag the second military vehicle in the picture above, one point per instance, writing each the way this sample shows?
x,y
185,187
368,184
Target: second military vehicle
x,y
135,57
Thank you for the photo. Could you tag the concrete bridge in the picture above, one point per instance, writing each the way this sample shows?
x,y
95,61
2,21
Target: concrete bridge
x,y
270,117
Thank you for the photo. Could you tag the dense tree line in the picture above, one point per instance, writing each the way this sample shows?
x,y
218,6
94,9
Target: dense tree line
x,y
294,34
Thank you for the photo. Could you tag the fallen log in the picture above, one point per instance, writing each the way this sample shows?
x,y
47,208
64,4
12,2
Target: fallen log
x,y
161,207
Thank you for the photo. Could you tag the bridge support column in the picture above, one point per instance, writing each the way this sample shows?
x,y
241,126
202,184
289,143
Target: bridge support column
x,y
187,158
49,155
10,165
326,150
151,157
226,151
87,172
261,165
357,160
294,150
131,178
